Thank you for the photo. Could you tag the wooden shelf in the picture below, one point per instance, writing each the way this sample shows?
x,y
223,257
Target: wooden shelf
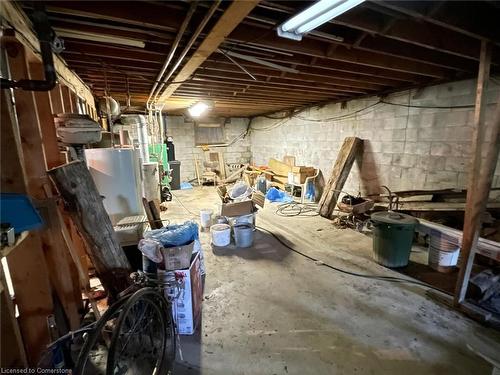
x,y
8,249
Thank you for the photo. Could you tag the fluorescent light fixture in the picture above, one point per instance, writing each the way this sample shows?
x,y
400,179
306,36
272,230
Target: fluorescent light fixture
x,y
198,109
314,16
94,37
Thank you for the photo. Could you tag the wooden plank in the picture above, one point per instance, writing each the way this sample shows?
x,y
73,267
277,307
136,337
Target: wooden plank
x,y
62,271
46,118
66,97
351,147
56,100
279,168
231,18
13,354
13,176
85,206
485,247
33,294
480,175
29,128
28,109
435,206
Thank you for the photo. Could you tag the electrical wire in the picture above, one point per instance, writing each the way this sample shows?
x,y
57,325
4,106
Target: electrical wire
x,y
391,279
294,209
183,206
428,106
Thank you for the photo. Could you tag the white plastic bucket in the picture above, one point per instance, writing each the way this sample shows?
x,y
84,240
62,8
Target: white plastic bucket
x,y
221,234
206,218
443,252
243,235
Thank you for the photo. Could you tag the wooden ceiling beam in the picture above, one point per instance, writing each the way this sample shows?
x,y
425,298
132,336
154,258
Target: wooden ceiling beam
x,y
313,70
131,13
107,29
306,72
277,85
229,20
278,79
320,49
481,24
412,32
416,53
261,86
290,95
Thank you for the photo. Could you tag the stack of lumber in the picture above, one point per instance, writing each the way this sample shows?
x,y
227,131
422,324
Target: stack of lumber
x,y
351,147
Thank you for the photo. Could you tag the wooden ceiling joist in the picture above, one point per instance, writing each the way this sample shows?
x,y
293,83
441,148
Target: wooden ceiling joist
x,y
231,18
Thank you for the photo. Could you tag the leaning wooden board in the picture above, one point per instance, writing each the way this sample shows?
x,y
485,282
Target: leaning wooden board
x,y
351,147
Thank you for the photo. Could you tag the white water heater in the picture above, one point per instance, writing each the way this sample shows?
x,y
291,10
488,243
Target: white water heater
x,y
117,175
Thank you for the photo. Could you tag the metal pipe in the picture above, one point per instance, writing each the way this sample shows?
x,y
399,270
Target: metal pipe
x,y
170,56
45,36
198,31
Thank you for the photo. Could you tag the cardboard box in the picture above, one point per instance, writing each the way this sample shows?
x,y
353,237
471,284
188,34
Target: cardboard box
x,y
186,296
230,208
299,174
237,208
177,257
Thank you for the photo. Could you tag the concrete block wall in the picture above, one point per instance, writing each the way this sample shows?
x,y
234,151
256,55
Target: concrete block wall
x,y
182,131
405,148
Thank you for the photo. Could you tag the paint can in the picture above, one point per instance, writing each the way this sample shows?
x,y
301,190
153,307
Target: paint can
x,y
221,234
443,252
206,218
243,235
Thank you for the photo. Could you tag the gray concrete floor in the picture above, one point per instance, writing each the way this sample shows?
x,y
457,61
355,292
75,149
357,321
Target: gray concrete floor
x,y
268,310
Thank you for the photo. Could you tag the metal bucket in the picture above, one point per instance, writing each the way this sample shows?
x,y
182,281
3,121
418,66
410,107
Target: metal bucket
x,y
243,235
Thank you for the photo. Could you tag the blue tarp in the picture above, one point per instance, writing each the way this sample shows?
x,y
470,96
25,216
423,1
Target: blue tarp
x,y
175,234
275,195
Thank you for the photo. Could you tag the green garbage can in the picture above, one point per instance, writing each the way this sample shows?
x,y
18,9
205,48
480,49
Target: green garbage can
x,y
392,238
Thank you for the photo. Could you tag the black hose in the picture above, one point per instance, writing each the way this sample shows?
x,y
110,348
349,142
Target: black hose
x,y
392,279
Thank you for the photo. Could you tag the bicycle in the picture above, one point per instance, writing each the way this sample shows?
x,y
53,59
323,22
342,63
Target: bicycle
x,y
137,333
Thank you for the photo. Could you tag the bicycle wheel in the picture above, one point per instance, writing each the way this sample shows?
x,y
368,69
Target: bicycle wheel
x,y
143,340
111,313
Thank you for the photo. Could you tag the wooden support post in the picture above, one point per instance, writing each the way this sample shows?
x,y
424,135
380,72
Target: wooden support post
x,y
56,100
66,95
85,206
46,118
26,264
57,263
480,176
351,147
13,354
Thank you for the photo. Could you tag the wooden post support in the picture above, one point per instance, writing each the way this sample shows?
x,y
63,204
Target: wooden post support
x,y
345,159
26,264
85,206
47,126
56,100
33,139
66,95
480,176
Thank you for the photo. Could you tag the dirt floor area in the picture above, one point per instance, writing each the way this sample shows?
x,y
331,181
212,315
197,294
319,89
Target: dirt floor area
x,y
268,310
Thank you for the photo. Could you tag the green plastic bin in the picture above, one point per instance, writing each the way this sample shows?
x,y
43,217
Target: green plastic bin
x,y
392,238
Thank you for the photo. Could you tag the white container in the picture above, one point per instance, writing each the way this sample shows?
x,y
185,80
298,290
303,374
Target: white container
x,y
151,181
206,218
221,234
117,175
443,252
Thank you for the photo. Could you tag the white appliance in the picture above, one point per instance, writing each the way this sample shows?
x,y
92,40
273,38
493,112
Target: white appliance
x,y
117,175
